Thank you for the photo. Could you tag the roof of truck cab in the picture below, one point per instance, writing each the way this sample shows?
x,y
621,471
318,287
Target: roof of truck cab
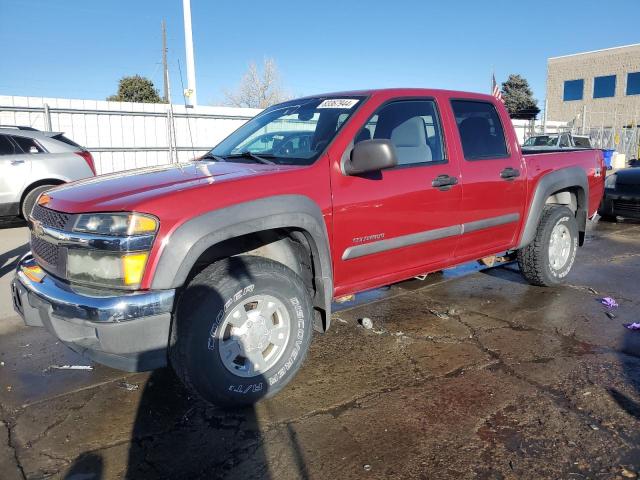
x,y
401,92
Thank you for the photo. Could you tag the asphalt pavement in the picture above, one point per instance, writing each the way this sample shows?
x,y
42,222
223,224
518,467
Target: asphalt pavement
x,y
14,242
468,374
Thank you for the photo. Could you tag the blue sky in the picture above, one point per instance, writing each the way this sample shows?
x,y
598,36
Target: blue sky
x,y
80,48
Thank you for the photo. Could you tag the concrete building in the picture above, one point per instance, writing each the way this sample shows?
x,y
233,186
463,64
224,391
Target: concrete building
x,y
599,89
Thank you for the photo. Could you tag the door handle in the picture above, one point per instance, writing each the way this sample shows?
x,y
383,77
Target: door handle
x,y
444,182
509,173
16,161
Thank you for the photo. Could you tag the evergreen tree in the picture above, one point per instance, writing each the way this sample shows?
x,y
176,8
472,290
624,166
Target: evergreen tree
x,y
518,98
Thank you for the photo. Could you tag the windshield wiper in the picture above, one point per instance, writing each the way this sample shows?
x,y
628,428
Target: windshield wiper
x,y
210,155
252,156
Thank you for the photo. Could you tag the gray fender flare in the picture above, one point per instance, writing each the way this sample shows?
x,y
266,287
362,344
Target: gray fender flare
x,y
571,177
191,239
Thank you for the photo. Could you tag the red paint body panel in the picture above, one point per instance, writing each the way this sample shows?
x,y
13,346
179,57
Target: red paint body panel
x,y
401,202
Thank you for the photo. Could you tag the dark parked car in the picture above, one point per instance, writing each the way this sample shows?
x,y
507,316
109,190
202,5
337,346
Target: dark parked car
x,y
621,195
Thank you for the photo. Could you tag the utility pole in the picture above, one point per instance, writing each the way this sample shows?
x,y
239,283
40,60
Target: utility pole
x,y
165,69
190,92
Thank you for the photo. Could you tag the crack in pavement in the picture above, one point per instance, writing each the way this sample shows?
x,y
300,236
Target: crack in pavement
x,y
557,396
10,441
58,422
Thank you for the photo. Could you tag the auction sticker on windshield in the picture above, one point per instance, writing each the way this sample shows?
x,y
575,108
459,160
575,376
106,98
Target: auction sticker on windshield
x,y
338,103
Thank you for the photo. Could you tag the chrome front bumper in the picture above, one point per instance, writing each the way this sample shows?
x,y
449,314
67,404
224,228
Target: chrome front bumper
x,y
128,331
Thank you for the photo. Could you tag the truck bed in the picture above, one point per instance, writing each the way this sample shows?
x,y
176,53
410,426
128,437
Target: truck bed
x,y
536,150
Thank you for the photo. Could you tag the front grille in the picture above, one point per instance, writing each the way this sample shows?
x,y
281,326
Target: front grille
x,y
50,218
626,206
44,250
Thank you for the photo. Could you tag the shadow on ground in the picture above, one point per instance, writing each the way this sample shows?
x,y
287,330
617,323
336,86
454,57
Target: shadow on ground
x,y
630,352
175,434
12,222
9,260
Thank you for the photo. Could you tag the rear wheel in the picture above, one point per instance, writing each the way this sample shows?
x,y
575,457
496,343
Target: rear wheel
x,y
549,258
30,199
242,330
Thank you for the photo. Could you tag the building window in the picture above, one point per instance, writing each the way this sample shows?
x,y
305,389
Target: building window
x,y
633,83
573,90
604,87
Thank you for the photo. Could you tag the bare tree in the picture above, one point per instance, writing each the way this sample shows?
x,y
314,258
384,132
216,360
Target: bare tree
x,y
258,89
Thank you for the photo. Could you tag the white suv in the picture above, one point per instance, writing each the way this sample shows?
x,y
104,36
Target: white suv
x,y
32,162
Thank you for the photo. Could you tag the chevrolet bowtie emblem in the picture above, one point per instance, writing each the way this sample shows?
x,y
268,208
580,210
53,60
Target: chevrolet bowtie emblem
x,y
37,228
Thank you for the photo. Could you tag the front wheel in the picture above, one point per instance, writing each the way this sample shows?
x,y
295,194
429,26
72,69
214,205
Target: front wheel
x,y
549,258
242,330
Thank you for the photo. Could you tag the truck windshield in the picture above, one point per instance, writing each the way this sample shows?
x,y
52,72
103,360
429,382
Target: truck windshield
x,y
291,133
542,141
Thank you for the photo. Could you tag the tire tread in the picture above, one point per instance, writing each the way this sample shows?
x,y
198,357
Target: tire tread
x,y
532,257
218,274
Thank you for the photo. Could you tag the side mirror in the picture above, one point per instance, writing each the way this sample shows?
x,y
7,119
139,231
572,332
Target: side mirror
x,y
33,149
371,156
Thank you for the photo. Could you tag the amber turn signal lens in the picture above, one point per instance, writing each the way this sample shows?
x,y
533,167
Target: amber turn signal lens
x,y
140,224
133,267
44,199
34,273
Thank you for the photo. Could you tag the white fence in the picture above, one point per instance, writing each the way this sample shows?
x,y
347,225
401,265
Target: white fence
x,y
126,135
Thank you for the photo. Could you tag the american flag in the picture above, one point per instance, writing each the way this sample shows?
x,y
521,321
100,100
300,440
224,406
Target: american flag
x,y
496,90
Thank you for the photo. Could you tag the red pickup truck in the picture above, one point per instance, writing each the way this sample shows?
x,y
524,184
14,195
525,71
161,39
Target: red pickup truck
x,y
223,266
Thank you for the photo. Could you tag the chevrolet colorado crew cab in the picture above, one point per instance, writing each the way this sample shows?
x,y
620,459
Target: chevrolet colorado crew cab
x,y
224,266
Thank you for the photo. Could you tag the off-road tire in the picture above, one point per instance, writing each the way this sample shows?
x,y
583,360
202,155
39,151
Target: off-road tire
x,y
202,308
30,199
534,258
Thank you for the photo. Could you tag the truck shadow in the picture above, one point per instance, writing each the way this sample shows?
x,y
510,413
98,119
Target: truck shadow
x,y
630,359
176,435
9,260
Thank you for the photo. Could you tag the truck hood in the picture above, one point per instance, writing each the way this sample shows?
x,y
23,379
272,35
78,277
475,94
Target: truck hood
x,y
123,191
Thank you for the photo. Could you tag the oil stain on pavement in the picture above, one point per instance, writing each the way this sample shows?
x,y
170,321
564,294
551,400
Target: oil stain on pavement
x,y
462,376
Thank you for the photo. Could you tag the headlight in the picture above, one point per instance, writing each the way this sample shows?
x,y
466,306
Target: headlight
x,y
119,224
610,181
113,267
102,268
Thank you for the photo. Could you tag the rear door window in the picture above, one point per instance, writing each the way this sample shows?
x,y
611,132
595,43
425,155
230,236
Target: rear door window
x,y
28,145
480,129
6,146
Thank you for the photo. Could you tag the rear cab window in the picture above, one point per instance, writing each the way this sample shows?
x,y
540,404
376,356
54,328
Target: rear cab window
x,y
480,128
414,128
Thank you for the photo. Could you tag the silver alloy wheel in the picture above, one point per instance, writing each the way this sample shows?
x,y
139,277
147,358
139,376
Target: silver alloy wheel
x,y
253,335
559,246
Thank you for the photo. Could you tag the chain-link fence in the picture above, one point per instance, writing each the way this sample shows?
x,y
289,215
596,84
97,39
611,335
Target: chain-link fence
x,y
616,129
